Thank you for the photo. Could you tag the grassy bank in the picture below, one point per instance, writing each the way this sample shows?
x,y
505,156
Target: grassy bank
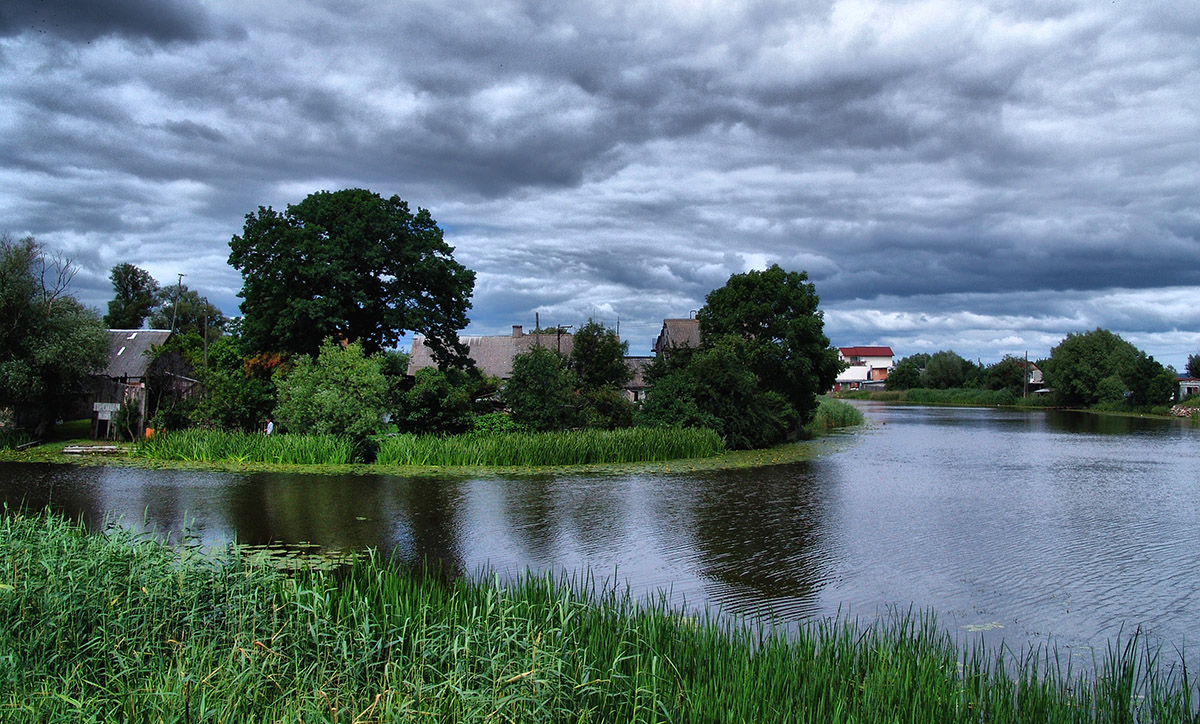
x,y
580,447
114,628
195,445
832,414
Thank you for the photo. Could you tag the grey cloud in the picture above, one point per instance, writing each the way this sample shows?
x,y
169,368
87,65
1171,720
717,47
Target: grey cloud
x,y
964,161
155,20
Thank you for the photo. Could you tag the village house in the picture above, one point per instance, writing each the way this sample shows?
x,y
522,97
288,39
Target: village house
x,y
866,367
1188,386
125,377
677,333
493,354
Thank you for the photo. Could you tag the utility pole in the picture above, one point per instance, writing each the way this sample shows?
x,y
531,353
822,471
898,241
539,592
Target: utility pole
x,y
1025,375
178,293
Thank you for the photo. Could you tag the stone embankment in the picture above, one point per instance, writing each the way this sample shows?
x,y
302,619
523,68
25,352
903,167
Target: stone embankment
x,y
1184,411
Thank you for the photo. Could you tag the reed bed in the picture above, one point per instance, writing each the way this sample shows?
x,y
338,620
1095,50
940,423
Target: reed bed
x,y
576,447
830,415
116,627
195,445
12,439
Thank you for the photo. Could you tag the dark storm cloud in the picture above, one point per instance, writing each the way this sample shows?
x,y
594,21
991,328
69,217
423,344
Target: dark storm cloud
x,y
155,20
979,174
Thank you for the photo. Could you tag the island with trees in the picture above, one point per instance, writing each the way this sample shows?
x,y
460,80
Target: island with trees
x,y
330,287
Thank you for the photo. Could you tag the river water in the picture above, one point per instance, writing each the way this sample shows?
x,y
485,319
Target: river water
x,y
1027,526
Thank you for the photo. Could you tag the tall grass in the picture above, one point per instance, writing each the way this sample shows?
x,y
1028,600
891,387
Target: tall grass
x,y
830,415
119,628
195,445
577,447
12,438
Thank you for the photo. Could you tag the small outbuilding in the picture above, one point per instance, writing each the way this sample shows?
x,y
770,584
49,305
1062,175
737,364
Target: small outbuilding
x,y
126,378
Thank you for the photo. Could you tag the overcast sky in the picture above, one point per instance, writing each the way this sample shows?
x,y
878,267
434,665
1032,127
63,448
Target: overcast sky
x,y
978,176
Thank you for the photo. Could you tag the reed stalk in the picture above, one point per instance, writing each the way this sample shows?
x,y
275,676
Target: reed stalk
x,y
117,627
576,447
196,445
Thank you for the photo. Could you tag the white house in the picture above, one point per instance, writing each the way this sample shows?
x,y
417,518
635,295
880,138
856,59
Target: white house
x,y
867,366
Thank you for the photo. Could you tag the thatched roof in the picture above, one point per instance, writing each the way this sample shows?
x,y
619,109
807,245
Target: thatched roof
x,y
493,355
677,333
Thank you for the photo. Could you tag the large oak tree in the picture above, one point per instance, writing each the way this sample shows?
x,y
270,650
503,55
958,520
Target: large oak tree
x,y
354,266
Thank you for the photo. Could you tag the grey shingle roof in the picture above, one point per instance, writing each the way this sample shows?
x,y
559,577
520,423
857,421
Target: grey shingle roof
x,y
127,350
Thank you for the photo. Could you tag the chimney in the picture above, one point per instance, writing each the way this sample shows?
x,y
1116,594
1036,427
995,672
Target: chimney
x,y
517,330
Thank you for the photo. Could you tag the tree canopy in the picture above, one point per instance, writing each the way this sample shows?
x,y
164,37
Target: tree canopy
x,y
775,313
185,312
906,375
49,342
350,265
1100,367
762,361
598,357
135,295
341,392
542,392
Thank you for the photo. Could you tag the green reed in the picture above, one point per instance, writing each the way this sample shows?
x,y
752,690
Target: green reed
x,y
830,415
196,445
576,447
117,627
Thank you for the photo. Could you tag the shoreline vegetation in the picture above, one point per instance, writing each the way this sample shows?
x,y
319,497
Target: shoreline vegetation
x,y
973,397
505,451
118,626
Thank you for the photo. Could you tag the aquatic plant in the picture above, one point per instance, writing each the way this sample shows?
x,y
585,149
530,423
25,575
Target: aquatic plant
x,y
830,415
196,445
576,447
118,627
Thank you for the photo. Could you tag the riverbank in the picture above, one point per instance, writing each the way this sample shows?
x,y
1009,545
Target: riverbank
x,y
1001,398
118,627
644,450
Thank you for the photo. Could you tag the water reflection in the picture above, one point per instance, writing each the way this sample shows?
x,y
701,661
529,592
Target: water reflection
x,y
1022,523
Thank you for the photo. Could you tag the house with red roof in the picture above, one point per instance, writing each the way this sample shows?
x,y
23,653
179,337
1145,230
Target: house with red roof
x,y
866,366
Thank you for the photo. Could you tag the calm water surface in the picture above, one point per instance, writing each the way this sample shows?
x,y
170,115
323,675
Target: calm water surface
x,y
1028,526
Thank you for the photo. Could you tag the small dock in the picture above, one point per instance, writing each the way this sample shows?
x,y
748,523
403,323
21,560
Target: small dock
x,y
93,450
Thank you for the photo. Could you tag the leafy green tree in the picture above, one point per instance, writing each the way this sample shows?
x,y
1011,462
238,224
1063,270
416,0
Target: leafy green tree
x,y
439,402
136,292
775,313
946,370
236,393
598,357
350,265
185,312
1149,383
715,388
1007,374
1193,365
50,344
598,360
542,393
342,392
1089,367
906,375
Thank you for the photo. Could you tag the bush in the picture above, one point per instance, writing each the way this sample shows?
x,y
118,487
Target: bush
x,y
342,393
